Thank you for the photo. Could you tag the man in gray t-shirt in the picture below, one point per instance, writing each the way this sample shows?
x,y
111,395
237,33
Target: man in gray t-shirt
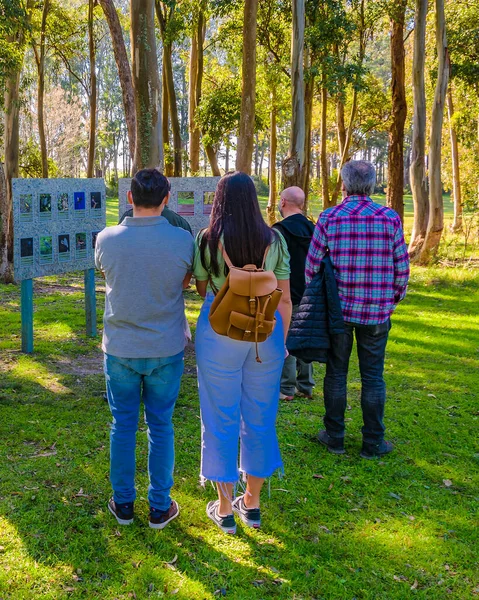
x,y
146,263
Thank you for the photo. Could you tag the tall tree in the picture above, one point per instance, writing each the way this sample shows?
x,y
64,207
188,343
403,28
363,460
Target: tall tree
x,y
195,82
165,12
40,53
456,180
293,165
244,152
395,188
273,145
418,144
124,70
435,224
93,90
146,83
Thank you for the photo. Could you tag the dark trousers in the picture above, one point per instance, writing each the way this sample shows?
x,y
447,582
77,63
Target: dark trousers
x,y
371,342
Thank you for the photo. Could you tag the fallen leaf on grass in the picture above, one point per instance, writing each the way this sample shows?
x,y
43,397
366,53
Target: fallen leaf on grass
x,y
172,561
414,585
325,529
315,476
81,494
346,479
173,592
43,454
220,592
395,496
278,581
447,482
399,578
258,582
431,396
330,487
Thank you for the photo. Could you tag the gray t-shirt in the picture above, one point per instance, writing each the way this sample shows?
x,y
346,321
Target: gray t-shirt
x,y
145,260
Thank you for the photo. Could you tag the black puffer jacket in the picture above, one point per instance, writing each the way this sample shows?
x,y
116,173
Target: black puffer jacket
x,y
319,315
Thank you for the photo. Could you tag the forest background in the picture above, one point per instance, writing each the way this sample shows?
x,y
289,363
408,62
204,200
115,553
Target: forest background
x,y
286,91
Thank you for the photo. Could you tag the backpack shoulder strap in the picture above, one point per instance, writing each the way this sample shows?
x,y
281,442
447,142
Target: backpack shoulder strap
x,y
225,255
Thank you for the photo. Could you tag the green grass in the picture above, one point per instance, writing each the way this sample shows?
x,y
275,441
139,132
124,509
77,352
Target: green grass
x,y
334,527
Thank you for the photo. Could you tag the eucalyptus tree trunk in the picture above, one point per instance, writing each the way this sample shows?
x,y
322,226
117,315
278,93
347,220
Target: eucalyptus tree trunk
x,y
341,125
323,154
273,145
164,13
146,83
93,92
308,122
354,105
395,190
213,160
456,180
435,224
39,53
244,150
293,165
165,126
418,144
124,70
194,132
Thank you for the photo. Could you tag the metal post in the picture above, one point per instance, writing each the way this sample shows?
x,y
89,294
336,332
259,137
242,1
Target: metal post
x,y
90,302
27,315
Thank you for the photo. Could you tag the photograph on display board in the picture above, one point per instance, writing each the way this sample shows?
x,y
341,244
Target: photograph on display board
x,y
62,205
95,201
45,206
80,245
46,249
94,235
26,207
26,251
208,198
79,201
63,247
186,203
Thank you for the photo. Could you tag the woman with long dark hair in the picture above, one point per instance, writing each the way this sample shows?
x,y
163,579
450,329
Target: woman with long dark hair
x,y
238,395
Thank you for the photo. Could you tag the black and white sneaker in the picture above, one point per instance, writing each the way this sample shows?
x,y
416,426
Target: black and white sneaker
x,y
123,513
250,516
160,519
226,524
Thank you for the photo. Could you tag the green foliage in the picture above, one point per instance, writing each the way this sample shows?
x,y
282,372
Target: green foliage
x,y
12,21
31,161
219,112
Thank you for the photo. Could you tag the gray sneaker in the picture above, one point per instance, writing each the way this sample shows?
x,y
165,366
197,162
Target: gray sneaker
x,y
250,516
370,451
226,524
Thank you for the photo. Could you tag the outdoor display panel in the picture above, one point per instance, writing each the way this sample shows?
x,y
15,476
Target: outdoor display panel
x,y
56,222
191,197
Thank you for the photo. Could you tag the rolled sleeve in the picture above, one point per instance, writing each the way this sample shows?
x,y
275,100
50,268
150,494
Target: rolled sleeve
x,y
401,264
317,249
282,269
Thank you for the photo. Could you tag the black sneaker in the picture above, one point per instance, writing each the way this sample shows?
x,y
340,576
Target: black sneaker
x,y
250,516
226,524
370,451
160,518
334,445
123,513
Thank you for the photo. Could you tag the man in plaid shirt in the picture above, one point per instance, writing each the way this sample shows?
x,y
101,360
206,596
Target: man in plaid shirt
x,y
366,245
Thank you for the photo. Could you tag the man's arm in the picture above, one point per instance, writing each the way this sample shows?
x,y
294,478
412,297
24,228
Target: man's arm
x,y
401,264
317,249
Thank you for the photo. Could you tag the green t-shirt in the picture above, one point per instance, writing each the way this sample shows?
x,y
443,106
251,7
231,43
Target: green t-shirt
x,y
277,260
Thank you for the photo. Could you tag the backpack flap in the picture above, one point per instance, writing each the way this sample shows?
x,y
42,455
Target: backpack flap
x,y
252,283
242,327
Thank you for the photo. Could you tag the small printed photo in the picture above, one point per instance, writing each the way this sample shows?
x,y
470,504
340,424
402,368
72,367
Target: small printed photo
x,y
26,251
62,202
186,203
46,249
45,204
64,247
80,245
26,205
79,200
95,200
94,235
208,198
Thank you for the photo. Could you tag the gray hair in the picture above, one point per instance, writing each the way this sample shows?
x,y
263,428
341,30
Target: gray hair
x,y
359,177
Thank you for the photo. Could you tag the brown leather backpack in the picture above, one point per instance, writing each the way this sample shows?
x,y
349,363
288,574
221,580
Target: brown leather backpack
x,y
244,307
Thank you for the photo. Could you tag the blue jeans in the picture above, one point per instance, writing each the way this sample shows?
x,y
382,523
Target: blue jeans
x,y
157,380
371,342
